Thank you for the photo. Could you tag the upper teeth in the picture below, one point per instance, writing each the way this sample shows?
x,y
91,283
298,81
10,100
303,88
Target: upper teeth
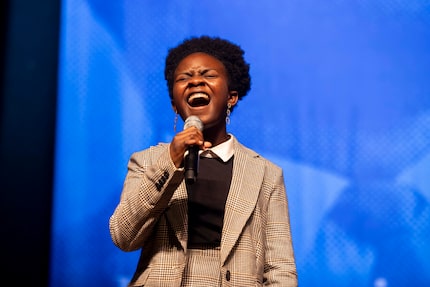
x,y
197,95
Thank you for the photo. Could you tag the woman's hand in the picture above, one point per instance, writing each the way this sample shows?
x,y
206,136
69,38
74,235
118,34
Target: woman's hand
x,y
191,136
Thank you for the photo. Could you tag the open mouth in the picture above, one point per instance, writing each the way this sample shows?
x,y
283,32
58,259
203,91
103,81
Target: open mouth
x,y
198,100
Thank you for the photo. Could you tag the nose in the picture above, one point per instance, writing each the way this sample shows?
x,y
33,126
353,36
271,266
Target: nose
x,y
196,81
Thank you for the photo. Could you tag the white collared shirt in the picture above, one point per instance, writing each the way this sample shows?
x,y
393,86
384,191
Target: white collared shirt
x,y
224,150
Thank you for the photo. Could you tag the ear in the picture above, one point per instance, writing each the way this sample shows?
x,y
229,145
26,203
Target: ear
x,y
233,98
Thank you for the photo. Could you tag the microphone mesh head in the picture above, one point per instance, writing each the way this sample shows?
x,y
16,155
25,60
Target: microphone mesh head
x,y
193,121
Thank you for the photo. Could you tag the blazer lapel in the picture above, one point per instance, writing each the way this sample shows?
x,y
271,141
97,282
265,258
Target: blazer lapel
x,y
248,172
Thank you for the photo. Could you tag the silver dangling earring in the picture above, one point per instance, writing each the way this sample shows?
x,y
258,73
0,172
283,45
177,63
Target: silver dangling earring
x,y
175,121
227,118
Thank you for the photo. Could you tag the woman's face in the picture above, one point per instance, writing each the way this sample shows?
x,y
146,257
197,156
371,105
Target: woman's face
x,y
200,88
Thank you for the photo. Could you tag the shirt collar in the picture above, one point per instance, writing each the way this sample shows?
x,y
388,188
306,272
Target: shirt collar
x,y
224,150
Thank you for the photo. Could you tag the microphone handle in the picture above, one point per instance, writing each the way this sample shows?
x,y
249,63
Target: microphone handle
x,y
191,164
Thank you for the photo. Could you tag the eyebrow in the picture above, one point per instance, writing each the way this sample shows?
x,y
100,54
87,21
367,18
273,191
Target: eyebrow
x,y
203,71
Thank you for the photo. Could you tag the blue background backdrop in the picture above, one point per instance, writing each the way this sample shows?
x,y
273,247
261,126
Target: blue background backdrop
x,y
340,99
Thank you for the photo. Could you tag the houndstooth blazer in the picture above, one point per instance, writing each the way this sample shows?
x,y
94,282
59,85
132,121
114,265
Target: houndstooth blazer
x,y
256,245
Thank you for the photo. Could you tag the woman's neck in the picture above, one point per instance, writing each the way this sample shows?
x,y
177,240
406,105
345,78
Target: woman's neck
x,y
216,137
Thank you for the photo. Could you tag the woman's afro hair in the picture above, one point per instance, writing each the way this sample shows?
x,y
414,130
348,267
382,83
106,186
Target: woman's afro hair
x,y
230,54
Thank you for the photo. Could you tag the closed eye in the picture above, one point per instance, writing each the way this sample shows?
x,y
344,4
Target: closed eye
x,y
209,73
182,77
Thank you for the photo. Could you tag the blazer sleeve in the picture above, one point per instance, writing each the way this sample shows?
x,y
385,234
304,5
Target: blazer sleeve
x,y
149,185
280,267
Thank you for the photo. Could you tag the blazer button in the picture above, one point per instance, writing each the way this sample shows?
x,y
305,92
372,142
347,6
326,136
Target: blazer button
x,y
227,275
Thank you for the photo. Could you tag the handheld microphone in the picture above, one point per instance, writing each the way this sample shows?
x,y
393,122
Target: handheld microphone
x,y
191,161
